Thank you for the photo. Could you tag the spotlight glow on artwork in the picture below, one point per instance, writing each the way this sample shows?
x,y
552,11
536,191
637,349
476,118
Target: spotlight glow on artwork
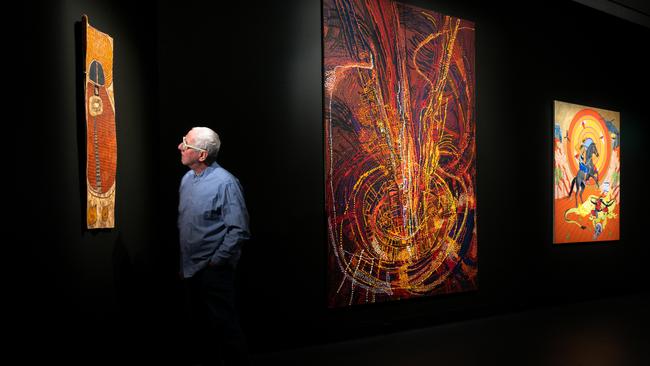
x,y
400,127
101,141
587,174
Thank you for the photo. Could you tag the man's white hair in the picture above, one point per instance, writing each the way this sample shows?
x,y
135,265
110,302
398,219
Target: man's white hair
x,y
206,138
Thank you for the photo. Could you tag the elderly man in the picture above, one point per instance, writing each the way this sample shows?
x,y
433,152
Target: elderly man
x,y
213,224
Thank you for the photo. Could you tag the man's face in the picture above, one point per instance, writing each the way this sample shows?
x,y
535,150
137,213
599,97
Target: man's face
x,y
190,155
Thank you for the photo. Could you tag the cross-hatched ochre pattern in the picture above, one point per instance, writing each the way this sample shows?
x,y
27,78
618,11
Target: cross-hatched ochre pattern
x,y
101,142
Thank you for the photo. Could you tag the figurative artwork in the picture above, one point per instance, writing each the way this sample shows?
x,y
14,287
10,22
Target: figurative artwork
x,y
400,168
101,143
587,174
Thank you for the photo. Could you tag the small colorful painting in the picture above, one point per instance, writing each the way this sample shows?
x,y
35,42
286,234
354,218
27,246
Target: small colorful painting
x,y
587,174
400,152
101,143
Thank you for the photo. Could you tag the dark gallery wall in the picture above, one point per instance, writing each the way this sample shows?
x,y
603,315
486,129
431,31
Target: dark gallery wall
x,y
83,290
253,72
265,99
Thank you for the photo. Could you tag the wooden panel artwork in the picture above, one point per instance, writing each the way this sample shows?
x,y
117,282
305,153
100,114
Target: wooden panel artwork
x,y
101,143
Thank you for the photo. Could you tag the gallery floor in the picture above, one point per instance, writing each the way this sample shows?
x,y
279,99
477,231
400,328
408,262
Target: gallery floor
x,y
608,332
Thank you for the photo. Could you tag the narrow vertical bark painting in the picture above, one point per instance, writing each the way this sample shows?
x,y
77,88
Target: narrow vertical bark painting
x,y
399,120
101,143
587,150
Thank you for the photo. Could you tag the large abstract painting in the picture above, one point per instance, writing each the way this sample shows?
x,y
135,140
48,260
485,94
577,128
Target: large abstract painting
x,y
399,119
587,150
101,144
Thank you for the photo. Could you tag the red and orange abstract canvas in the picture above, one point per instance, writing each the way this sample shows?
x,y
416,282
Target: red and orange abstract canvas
x,y
587,173
400,126
101,142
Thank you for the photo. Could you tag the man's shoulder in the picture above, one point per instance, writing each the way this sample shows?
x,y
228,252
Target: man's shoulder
x,y
223,176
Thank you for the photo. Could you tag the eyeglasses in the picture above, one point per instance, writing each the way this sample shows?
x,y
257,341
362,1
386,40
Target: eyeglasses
x,y
186,146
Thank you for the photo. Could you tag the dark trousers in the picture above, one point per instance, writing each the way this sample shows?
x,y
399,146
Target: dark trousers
x,y
214,323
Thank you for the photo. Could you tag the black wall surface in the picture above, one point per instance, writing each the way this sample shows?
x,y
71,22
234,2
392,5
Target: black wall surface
x,y
253,73
87,292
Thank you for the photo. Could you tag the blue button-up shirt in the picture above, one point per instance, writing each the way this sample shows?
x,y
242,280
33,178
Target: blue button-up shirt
x,y
212,219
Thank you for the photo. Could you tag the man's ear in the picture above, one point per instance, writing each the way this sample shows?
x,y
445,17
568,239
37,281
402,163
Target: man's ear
x,y
203,155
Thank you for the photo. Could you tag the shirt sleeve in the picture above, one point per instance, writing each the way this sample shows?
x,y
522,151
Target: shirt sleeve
x,y
235,217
